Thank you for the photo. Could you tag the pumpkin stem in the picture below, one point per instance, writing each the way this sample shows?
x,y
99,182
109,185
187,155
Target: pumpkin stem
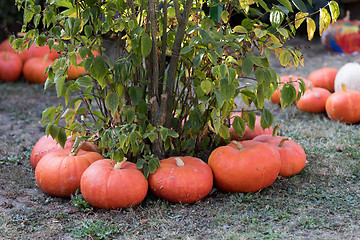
x,y
237,144
45,58
343,87
282,142
179,162
118,165
275,130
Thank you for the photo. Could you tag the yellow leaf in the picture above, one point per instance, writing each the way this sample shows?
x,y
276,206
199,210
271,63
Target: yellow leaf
x,y
311,27
324,20
299,18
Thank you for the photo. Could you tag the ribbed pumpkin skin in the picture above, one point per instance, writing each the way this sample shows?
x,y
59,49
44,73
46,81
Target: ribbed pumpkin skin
x,y
10,66
246,170
313,100
324,78
292,155
181,184
47,144
249,134
58,174
105,187
344,106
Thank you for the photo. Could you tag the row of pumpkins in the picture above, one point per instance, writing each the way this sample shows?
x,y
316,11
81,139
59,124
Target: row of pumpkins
x,y
31,63
336,92
241,166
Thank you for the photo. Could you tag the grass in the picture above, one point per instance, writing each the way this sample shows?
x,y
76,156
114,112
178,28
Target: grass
x,y
321,202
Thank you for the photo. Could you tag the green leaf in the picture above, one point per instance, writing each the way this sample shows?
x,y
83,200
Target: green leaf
x,y
215,116
146,44
112,102
299,4
260,33
251,120
334,10
61,137
284,57
136,94
267,118
311,27
227,89
324,20
140,163
59,84
287,95
206,86
224,132
276,17
286,4
223,70
247,66
239,29
50,111
85,82
54,131
98,70
163,133
239,126
225,16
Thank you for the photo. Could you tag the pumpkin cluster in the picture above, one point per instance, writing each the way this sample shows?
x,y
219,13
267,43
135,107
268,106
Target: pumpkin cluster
x,y
31,63
336,92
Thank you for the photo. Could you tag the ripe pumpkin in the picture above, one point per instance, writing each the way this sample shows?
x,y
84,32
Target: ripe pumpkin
x,y
34,69
275,98
344,106
108,185
10,66
349,75
181,180
313,100
58,173
5,46
245,166
38,52
78,71
324,78
47,144
292,155
248,134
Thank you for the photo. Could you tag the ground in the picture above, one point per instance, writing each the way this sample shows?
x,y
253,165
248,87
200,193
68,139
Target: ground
x,y
322,202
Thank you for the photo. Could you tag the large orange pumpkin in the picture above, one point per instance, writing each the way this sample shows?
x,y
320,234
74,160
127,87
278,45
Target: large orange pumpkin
x,y
344,106
108,185
181,180
34,69
38,52
293,79
324,78
248,134
313,100
245,166
292,155
10,66
5,46
58,173
47,144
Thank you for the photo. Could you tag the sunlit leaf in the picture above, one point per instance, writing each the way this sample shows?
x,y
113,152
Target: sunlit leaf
x,y
334,10
299,18
324,20
311,27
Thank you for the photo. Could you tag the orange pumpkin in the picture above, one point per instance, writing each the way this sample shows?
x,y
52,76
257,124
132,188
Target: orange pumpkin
x,y
344,106
108,185
293,79
245,166
34,69
47,144
313,100
292,155
5,46
248,134
324,78
38,52
181,180
10,66
58,173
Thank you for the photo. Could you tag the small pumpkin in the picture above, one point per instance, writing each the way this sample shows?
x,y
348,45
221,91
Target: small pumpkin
x,y
38,52
58,173
47,144
10,66
324,78
248,134
293,79
34,69
292,155
245,166
108,185
349,75
5,46
313,100
181,180
344,106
